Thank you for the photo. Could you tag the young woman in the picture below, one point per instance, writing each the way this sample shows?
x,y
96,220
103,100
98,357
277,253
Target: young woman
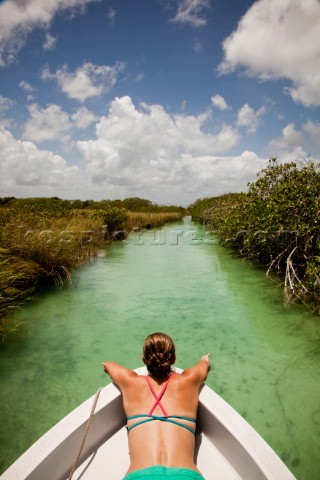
x,y
161,411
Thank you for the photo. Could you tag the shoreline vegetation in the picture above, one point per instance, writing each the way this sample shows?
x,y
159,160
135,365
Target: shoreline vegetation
x,y
43,239
276,224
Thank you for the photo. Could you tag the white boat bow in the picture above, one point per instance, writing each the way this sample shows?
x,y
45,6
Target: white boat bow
x,y
227,447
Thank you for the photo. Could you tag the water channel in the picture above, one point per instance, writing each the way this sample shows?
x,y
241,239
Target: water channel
x,y
265,355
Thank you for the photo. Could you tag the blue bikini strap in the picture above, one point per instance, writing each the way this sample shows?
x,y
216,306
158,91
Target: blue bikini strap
x,y
162,419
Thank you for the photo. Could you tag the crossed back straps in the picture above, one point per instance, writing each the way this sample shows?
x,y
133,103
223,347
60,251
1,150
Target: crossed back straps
x,y
158,397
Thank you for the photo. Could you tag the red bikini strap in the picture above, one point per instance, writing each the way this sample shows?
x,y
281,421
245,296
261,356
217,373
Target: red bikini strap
x,y
158,398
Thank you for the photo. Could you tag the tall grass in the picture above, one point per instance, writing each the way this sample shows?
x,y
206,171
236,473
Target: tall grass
x,y
17,280
37,250
137,220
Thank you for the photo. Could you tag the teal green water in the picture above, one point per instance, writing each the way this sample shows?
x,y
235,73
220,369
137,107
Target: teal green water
x,y
266,357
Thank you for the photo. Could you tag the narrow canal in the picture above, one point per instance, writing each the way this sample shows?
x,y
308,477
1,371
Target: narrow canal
x,y
266,356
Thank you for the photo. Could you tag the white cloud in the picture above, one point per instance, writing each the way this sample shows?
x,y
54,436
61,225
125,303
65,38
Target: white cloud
x,y
26,86
111,15
85,82
279,39
197,46
53,124
191,12
151,129
141,151
5,103
138,151
82,117
27,171
296,154
250,119
289,139
219,102
50,123
19,18
293,140
215,175
50,42
149,151
313,131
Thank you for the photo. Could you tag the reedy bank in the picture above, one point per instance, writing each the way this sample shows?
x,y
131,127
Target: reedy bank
x,y
43,239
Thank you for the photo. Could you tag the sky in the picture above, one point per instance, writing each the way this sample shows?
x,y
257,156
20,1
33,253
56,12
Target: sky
x,y
168,100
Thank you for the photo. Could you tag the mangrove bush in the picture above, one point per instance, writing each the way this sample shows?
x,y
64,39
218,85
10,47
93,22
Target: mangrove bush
x,y
276,223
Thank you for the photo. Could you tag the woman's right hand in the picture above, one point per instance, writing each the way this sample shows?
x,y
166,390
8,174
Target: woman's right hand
x,y
205,358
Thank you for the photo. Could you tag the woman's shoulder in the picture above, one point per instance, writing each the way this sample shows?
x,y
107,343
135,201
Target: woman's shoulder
x,y
196,374
180,377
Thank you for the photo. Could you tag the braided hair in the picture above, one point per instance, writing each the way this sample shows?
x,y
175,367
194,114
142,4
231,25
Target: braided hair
x,y
159,355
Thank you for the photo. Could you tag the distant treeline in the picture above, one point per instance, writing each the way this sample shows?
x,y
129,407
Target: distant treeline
x,y
42,239
134,204
276,223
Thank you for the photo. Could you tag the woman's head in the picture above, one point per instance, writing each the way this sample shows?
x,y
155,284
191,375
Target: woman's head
x,y
159,354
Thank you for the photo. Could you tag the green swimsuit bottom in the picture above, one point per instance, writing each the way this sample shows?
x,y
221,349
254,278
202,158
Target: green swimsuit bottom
x,y
159,472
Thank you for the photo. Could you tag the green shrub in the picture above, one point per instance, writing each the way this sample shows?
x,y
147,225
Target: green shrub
x,y
276,223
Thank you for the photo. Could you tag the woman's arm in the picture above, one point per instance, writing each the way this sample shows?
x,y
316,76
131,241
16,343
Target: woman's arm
x,y
118,374
199,372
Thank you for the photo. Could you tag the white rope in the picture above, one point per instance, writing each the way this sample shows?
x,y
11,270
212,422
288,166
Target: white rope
x,y
94,404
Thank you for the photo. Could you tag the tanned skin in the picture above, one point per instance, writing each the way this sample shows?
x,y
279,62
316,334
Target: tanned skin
x,y
160,443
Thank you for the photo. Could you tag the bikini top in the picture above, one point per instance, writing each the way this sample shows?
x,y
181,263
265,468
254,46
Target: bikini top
x,y
165,418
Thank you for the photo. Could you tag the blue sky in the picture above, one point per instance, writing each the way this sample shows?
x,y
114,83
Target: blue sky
x,y
170,100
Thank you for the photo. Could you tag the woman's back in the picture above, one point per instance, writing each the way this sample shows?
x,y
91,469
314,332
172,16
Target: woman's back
x,y
161,410
160,442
